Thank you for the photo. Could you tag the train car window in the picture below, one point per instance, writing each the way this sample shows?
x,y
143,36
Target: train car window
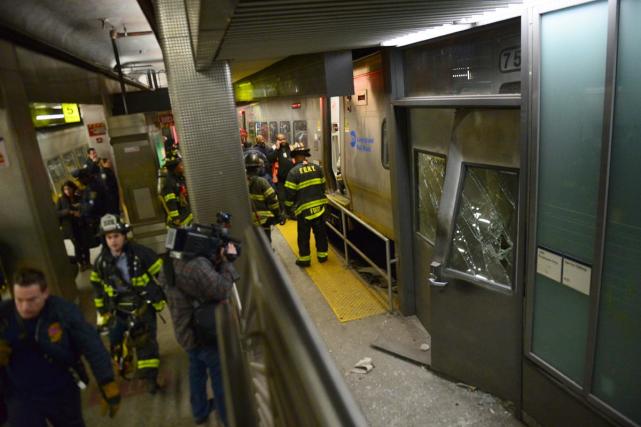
x,y
384,145
486,61
430,175
483,243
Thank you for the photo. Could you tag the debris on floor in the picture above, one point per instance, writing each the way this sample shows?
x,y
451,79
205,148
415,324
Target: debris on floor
x,y
363,366
424,347
467,386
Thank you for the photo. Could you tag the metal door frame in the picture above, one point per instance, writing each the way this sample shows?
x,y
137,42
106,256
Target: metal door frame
x,y
403,162
582,393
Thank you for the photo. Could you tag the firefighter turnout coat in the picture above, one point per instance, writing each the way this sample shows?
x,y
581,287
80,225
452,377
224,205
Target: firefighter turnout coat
x,y
264,201
305,190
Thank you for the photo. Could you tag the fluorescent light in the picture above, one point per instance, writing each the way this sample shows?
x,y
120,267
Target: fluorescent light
x,y
511,11
50,116
427,34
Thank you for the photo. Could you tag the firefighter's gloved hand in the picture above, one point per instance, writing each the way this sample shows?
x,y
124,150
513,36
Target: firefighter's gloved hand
x,y
102,320
5,353
159,306
111,399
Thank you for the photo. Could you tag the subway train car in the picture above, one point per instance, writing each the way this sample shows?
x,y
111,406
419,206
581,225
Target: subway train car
x,y
357,158
359,151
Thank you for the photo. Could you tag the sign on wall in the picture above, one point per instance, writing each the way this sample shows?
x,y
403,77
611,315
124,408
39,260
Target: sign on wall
x,y
97,129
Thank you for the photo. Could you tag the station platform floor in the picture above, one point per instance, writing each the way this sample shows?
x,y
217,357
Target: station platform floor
x,y
394,393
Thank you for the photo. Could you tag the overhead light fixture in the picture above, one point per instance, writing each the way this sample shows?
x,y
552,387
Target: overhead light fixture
x,y
510,11
50,116
427,34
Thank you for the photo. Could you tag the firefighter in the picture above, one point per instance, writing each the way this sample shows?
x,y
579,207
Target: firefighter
x,y
173,194
305,196
265,206
125,284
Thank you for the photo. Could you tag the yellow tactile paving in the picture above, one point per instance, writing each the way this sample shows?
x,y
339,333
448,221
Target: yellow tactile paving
x,y
348,297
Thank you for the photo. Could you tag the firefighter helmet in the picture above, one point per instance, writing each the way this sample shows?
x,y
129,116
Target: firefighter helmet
x,y
299,149
112,224
255,162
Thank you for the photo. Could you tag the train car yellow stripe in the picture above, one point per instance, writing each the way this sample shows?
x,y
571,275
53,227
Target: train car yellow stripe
x,y
346,294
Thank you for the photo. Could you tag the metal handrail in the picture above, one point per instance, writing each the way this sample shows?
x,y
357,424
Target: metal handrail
x,y
276,368
349,244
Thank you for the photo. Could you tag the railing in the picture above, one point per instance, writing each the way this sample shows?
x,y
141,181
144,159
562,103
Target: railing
x,y
276,368
349,244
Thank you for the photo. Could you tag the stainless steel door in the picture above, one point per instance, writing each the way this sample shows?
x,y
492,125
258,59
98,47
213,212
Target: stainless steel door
x,y
467,276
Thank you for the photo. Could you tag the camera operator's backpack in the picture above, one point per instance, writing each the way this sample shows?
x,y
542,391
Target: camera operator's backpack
x,y
203,317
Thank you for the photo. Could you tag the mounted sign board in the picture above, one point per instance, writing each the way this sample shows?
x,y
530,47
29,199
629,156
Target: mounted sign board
x,y
97,129
576,276
549,264
563,270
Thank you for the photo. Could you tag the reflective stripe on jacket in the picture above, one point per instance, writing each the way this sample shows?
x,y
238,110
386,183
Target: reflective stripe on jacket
x,y
144,266
264,200
175,202
305,190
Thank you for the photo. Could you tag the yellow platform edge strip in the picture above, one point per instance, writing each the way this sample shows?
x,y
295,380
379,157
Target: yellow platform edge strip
x,y
345,293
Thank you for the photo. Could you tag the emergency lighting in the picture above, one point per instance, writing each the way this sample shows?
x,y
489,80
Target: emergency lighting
x,y
510,11
50,116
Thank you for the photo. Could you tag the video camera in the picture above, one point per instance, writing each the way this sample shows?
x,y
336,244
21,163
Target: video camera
x,y
202,240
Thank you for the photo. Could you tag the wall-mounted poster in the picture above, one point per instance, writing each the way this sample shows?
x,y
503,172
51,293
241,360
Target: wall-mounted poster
x,y
273,131
286,129
251,130
264,130
300,131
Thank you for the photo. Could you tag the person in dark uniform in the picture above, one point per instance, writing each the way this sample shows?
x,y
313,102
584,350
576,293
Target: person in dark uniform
x,y
92,204
264,202
174,196
42,339
91,162
68,210
124,282
266,151
305,196
282,163
109,181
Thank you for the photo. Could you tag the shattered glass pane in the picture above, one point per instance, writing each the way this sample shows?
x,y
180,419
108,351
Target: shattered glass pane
x,y
430,174
485,231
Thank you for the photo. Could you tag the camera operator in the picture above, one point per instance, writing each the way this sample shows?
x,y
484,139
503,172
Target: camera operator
x,y
194,285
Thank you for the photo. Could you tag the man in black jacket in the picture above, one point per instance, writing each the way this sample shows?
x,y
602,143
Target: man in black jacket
x,y
125,285
42,338
93,200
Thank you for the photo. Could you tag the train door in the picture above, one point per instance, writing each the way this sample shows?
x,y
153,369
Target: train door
x,y
466,175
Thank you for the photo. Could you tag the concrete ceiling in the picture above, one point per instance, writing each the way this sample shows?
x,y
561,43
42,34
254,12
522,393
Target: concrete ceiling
x,y
81,29
257,33
261,29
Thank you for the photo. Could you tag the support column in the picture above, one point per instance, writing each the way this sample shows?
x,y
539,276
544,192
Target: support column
x,y
205,115
29,233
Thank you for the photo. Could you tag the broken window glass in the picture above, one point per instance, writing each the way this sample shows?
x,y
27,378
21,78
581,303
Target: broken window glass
x,y
485,230
430,174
